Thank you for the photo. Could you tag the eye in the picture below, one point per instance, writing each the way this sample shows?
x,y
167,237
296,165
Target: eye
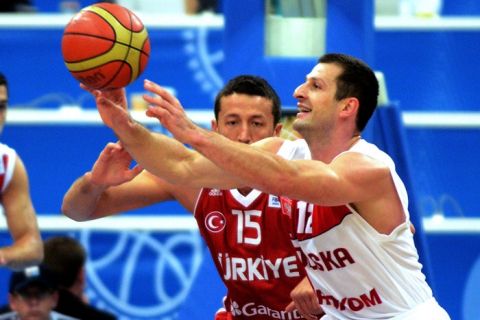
x,y
231,123
257,124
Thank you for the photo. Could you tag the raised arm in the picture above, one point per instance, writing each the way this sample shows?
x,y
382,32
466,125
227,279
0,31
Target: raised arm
x,y
26,248
89,196
112,187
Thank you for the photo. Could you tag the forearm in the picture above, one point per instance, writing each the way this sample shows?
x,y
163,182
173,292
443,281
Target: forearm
x,y
162,156
80,201
24,252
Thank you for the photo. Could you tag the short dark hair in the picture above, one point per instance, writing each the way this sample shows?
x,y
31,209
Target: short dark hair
x,y
252,86
357,80
66,257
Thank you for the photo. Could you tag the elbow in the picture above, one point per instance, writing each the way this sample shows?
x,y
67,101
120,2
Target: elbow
x,y
36,250
31,257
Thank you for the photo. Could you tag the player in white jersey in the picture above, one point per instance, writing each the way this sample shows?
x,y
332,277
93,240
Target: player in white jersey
x,y
15,200
246,110
350,213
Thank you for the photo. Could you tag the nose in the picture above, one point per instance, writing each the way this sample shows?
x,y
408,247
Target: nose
x,y
244,135
298,93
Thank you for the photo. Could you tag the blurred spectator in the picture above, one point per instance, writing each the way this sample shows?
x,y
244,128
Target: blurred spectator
x,y
16,6
33,295
66,257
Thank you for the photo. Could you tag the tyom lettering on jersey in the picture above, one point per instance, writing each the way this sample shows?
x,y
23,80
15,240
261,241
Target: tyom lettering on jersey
x,y
365,300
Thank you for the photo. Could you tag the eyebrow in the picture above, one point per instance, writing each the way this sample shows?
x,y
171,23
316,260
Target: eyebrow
x,y
259,115
315,79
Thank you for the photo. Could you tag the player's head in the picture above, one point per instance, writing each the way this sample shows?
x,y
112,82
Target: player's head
x,y
33,293
337,81
3,100
357,80
247,109
66,257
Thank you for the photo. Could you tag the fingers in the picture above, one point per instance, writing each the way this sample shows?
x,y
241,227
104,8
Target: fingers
x,y
135,171
304,311
163,93
290,307
154,112
94,92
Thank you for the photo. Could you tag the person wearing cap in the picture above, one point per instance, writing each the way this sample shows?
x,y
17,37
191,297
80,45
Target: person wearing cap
x,y
33,295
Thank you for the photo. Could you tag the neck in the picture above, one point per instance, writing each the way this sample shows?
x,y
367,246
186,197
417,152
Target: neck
x,y
244,191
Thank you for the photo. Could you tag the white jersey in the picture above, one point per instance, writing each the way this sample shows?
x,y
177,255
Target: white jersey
x,y
7,164
359,273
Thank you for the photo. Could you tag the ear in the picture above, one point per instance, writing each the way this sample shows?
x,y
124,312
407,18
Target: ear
x,y
214,125
277,130
349,107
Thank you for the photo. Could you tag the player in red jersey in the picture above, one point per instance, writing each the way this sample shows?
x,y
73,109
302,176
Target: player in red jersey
x,y
246,237
26,248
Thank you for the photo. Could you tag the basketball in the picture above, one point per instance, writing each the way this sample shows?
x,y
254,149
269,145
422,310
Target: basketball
x,y
105,46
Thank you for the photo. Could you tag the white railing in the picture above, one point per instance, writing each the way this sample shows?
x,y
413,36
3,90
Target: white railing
x,y
462,23
79,116
164,223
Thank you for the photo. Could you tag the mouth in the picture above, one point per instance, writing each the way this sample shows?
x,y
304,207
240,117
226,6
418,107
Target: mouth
x,y
302,109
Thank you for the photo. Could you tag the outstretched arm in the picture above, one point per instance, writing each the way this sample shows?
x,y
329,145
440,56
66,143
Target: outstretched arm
x,y
162,156
349,178
27,246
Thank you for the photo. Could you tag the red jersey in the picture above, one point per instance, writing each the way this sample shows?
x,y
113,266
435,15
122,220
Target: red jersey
x,y
249,241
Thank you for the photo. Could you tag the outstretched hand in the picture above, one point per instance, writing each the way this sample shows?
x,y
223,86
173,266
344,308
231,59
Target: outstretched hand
x,y
168,110
112,167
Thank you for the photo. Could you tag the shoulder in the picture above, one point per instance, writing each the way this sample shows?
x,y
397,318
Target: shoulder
x,y
70,304
372,151
294,150
271,144
6,150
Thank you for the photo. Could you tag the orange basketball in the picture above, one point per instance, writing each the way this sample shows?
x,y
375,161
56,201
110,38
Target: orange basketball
x,y
105,46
